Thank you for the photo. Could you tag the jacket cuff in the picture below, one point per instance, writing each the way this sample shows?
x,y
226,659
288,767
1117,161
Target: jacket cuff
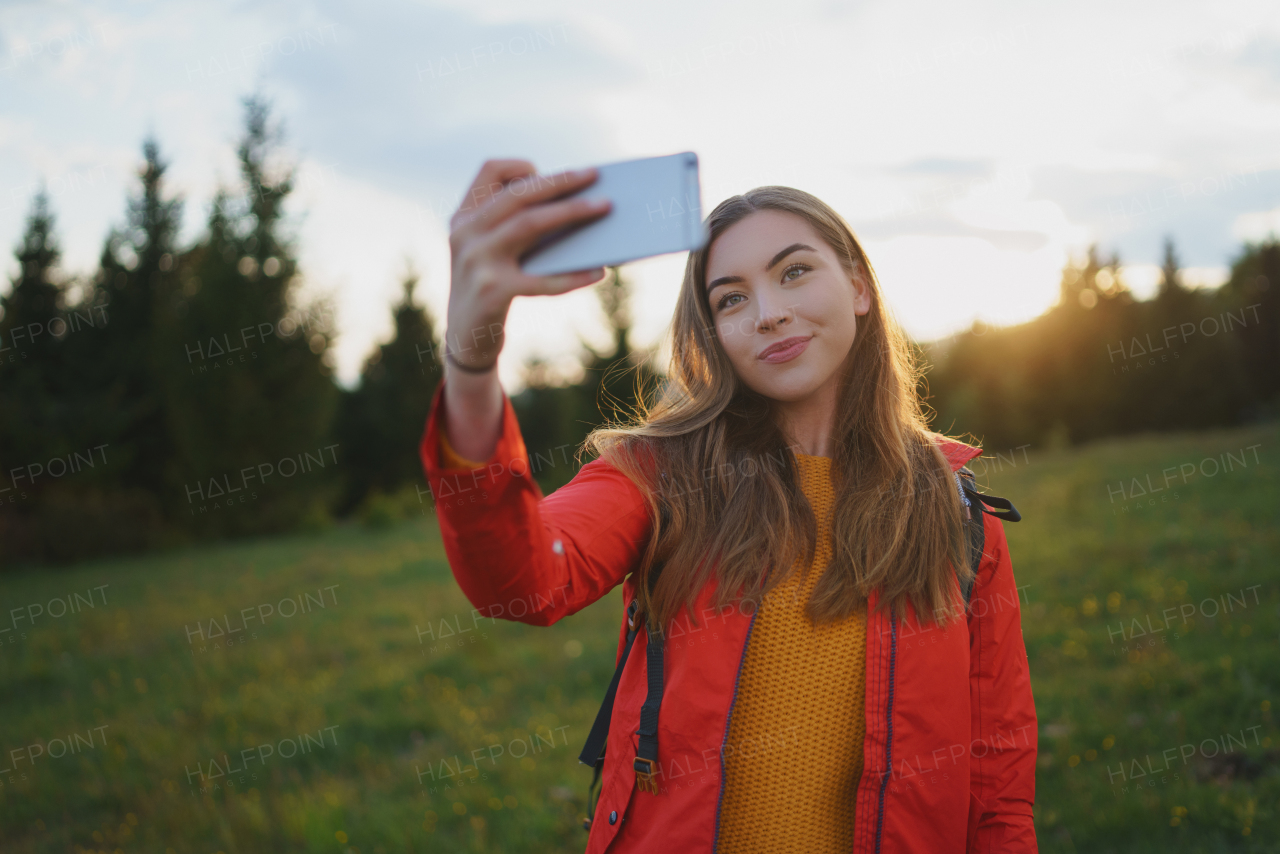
x,y
449,458
456,481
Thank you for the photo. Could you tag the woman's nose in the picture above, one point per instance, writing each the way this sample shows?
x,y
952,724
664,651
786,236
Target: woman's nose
x,y
772,316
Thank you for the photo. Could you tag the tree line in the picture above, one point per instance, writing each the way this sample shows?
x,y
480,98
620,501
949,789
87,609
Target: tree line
x,y
1101,362
185,393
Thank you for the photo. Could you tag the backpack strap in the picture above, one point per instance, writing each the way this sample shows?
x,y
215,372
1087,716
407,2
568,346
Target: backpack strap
x,y
593,751
647,755
646,761
975,534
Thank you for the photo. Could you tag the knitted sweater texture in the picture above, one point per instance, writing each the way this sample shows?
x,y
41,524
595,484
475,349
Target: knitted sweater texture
x,y
794,751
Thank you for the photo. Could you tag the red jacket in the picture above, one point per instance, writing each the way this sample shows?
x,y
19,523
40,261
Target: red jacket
x,y
950,748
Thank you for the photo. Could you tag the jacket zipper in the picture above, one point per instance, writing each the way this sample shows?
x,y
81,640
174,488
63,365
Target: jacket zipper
x,y
888,741
728,719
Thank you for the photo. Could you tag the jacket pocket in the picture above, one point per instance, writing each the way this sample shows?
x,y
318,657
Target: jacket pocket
x,y
617,789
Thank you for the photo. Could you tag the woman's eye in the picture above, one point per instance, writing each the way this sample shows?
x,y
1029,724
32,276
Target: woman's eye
x,y
799,268
724,300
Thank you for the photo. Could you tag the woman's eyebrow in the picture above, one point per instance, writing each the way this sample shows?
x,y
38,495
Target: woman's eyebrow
x,y
727,280
794,247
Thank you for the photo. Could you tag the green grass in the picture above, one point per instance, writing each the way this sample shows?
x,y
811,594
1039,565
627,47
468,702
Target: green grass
x,y
402,703
1108,694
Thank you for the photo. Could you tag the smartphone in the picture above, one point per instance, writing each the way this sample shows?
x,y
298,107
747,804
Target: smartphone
x,y
657,208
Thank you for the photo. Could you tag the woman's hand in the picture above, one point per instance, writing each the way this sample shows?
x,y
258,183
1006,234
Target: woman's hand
x,y
505,212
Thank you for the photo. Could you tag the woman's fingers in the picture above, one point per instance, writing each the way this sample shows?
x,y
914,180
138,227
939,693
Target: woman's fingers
x,y
561,283
530,190
503,187
492,177
506,211
488,183
520,232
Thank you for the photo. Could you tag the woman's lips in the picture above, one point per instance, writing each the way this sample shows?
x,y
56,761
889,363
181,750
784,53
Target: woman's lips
x,y
793,347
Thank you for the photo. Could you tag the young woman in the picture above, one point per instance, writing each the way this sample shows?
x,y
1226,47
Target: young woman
x,y
786,518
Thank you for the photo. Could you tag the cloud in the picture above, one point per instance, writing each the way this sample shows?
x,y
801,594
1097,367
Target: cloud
x,y
414,99
1257,226
948,167
940,226
1132,212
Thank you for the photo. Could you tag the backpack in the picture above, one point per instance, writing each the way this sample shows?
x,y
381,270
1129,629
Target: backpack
x,y
647,754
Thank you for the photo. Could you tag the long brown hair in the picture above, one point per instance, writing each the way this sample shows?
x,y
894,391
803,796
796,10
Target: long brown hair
x,y
713,451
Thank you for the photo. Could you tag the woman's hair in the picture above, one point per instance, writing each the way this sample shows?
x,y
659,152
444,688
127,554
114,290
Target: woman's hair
x,y
713,451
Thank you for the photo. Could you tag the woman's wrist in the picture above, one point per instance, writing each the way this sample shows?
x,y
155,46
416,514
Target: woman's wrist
x,y
474,404
470,368
474,400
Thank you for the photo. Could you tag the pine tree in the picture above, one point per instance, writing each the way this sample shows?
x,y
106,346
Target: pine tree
x,y
1067,368
1252,294
32,380
55,420
381,421
1200,368
246,366
118,363
1173,299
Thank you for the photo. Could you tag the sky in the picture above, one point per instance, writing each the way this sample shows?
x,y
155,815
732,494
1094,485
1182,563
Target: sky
x,y
974,148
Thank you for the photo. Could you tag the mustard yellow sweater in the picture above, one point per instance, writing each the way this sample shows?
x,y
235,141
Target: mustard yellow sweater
x,y
793,754
794,751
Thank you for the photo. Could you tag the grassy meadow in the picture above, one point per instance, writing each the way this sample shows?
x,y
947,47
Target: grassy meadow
x,y
179,702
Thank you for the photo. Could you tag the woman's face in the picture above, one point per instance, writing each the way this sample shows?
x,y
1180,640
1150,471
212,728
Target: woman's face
x,y
772,279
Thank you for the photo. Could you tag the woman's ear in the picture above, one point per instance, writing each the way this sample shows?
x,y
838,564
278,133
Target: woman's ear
x,y
861,293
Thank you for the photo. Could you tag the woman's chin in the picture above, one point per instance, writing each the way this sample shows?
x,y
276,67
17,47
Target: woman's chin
x,y
790,390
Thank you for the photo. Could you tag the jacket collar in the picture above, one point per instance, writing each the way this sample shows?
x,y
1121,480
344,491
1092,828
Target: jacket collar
x,y
957,453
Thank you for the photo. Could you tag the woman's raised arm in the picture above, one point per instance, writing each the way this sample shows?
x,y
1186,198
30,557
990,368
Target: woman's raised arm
x,y
515,554
520,556
506,210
